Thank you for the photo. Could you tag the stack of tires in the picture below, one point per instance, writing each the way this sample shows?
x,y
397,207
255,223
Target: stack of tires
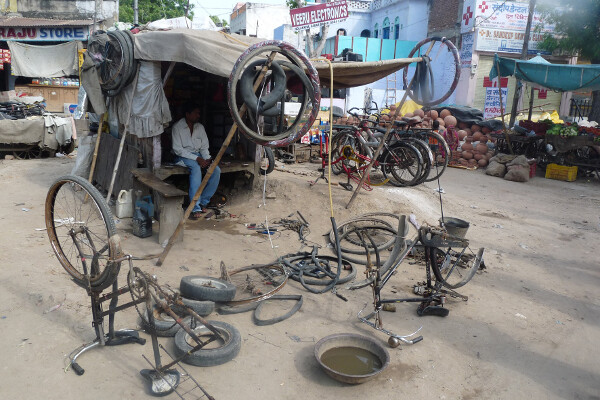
x,y
199,294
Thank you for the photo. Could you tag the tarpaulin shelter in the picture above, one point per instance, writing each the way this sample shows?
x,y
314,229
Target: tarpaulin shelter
x,y
217,52
560,77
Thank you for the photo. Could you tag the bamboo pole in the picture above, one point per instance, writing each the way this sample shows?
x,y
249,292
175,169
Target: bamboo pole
x,y
211,169
506,135
97,146
121,145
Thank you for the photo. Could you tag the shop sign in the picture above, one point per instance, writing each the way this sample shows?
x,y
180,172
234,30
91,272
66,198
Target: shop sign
x,y
48,34
466,49
506,41
319,15
491,108
500,15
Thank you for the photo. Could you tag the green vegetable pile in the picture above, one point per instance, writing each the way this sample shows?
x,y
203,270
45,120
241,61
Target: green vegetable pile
x,y
563,130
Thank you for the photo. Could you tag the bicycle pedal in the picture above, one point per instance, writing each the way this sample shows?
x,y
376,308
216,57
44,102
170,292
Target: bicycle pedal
x,y
432,310
346,186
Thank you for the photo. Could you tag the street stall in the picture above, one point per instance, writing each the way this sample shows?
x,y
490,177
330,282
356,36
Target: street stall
x,y
562,147
144,90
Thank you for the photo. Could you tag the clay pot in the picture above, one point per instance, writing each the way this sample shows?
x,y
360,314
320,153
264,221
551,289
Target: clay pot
x,y
450,121
469,139
462,162
433,114
409,115
478,156
419,113
468,130
461,135
483,139
475,128
483,162
472,162
482,148
467,147
477,136
485,130
445,113
467,155
462,125
441,121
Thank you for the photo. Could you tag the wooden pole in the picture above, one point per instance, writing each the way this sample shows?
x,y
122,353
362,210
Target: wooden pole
x,y
121,145
384,138
211,169
103,116
506,135
532,93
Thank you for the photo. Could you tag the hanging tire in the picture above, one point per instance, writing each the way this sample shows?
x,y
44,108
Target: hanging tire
x,y
197,287
164,324
270,159
227,349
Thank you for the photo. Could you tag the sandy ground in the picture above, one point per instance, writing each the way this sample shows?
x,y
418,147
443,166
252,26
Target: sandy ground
x,y
528,330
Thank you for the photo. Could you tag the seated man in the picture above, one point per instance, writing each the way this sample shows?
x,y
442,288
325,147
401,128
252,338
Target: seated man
x,y
190,145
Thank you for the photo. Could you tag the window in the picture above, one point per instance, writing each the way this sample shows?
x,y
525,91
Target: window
x,y
341,32
386,28
397,28
376,31
365,33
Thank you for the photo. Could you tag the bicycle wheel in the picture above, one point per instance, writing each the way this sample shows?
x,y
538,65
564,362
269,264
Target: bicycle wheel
x,y
427,156
82,232
338,143
441,153
453,268
256,282
402,163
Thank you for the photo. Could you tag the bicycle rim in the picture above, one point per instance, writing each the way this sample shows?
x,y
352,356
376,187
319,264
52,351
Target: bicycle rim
x,y
402,164
454,268
82,233
257,282
441,155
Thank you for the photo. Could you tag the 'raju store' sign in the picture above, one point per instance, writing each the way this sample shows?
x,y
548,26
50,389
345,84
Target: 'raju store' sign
x,y
48,34
319,15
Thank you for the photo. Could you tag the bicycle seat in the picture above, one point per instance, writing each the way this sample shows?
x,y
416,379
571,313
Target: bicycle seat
x,y
412,120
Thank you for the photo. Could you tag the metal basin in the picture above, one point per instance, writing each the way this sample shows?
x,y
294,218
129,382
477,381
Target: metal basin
x,y
456,227
352,341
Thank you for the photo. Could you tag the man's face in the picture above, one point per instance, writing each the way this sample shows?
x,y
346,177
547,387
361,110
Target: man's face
x,y
193,116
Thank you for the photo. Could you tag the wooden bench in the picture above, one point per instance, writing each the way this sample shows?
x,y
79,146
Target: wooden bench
x,y
168,201
226,167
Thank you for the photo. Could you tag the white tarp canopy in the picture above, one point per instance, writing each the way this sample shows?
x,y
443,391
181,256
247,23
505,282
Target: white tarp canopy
x,y
217,52
44,61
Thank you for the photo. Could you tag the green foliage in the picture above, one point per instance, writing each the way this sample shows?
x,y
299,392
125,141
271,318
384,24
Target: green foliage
x,y
295,4
217,21
577,28
152,10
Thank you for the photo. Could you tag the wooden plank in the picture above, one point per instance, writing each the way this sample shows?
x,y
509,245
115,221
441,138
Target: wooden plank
x,y
149,179
107,155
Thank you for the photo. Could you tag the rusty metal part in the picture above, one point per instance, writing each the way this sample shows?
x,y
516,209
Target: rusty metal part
x,y
254,295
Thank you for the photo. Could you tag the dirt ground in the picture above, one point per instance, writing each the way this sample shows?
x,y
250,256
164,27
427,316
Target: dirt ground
x,y
527,331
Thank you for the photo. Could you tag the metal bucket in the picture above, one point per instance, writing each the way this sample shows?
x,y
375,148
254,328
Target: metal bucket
x,y
351,340
455,227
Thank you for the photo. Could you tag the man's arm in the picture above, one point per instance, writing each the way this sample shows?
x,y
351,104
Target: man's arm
x,y
204,143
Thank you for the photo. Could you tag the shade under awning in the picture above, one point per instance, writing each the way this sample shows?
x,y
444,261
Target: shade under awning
x,y
216,53
561,77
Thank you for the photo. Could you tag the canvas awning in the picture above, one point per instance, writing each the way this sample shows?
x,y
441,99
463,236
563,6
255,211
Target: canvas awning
x,y
217,52
560,77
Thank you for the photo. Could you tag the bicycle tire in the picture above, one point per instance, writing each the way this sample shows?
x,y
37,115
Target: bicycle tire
x,y
338,142
401,157
427,156
312,95
446,268
102,270
441,154
454,84
270,159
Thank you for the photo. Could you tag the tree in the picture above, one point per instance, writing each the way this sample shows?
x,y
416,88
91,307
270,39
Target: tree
x,y
577,31
152,10
217,21
312,51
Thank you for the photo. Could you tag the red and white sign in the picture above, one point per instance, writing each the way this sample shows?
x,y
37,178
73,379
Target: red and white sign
x,y
319,15
499,15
